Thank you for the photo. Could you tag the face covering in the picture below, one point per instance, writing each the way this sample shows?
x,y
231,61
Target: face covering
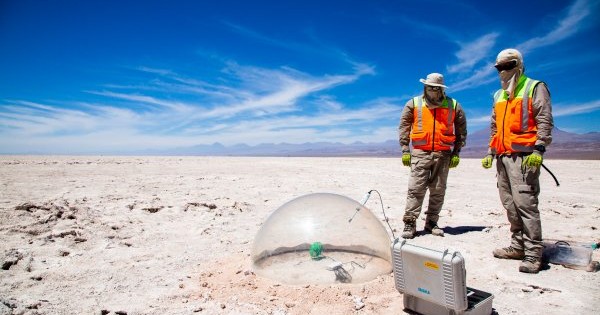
x,y
509,80
434,97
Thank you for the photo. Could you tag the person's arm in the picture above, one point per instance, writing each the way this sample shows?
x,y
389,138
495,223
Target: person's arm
x,y
542,114
492,128
406,121
460,129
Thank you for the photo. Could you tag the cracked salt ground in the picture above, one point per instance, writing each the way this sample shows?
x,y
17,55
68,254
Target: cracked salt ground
x,y
165,267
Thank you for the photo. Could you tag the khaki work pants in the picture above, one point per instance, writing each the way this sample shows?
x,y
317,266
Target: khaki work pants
x,y
429,169
519,188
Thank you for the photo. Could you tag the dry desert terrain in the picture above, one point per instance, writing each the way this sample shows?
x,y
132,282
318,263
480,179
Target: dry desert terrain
x,y
173,235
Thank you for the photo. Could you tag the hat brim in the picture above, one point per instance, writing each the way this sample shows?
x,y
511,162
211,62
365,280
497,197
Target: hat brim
x,y
431,84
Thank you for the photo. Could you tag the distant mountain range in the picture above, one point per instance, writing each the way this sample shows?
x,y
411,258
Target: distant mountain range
x,y
565,145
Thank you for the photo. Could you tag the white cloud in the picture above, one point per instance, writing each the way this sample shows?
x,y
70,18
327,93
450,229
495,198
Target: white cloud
x,y
31,118
328,103
374,112
340,125
575,109
486,119
250,113
144,99
483,75
566,27
473,52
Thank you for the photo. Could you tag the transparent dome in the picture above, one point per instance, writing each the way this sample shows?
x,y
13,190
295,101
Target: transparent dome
x,y
311,240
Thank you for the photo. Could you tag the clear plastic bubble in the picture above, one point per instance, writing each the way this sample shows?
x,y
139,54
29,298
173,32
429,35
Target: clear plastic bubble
x,y
311,240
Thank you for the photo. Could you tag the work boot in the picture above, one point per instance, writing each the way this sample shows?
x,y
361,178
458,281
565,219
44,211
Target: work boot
x,y
530,264
410,229
433,228
509,253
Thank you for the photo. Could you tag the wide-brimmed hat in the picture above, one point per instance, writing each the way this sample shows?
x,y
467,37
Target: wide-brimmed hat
x,y
434,79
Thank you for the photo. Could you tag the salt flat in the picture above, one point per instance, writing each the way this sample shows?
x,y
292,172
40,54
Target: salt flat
x,y
173,235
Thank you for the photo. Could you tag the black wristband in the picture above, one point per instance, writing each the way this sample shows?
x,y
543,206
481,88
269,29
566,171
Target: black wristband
x,y
540,148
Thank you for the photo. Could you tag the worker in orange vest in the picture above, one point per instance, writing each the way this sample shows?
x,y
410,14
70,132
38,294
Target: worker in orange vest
x,y
436,126
521,129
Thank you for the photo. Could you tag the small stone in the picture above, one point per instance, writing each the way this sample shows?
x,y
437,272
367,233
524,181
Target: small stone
x,y
358,303
527,289
34,306
223,306
593,266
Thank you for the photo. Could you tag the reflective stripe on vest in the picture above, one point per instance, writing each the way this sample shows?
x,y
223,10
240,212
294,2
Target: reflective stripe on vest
x,y
527,93
525,105
514,132
418,103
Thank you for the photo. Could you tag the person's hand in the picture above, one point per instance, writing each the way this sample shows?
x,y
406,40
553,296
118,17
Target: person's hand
x,y
406,158
533,160
454,160
486,162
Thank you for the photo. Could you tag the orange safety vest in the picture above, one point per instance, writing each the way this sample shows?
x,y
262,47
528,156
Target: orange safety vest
x,y
433,129
516,130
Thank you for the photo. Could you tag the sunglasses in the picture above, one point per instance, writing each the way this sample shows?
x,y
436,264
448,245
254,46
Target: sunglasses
x,y
506,66
434,88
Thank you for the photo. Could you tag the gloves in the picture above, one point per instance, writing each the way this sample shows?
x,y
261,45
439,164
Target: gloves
x,y
454,160
533,160
406,158
486,162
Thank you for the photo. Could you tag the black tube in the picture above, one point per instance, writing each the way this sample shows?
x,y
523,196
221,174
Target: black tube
x,y
555,180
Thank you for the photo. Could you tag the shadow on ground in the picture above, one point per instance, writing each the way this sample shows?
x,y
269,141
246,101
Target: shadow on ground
x,y
462,229
449,230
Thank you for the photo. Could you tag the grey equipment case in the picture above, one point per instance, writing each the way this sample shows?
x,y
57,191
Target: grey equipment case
x,y
433,282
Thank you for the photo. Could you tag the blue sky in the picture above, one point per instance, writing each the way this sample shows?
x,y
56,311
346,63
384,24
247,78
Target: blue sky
x,y
101,77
